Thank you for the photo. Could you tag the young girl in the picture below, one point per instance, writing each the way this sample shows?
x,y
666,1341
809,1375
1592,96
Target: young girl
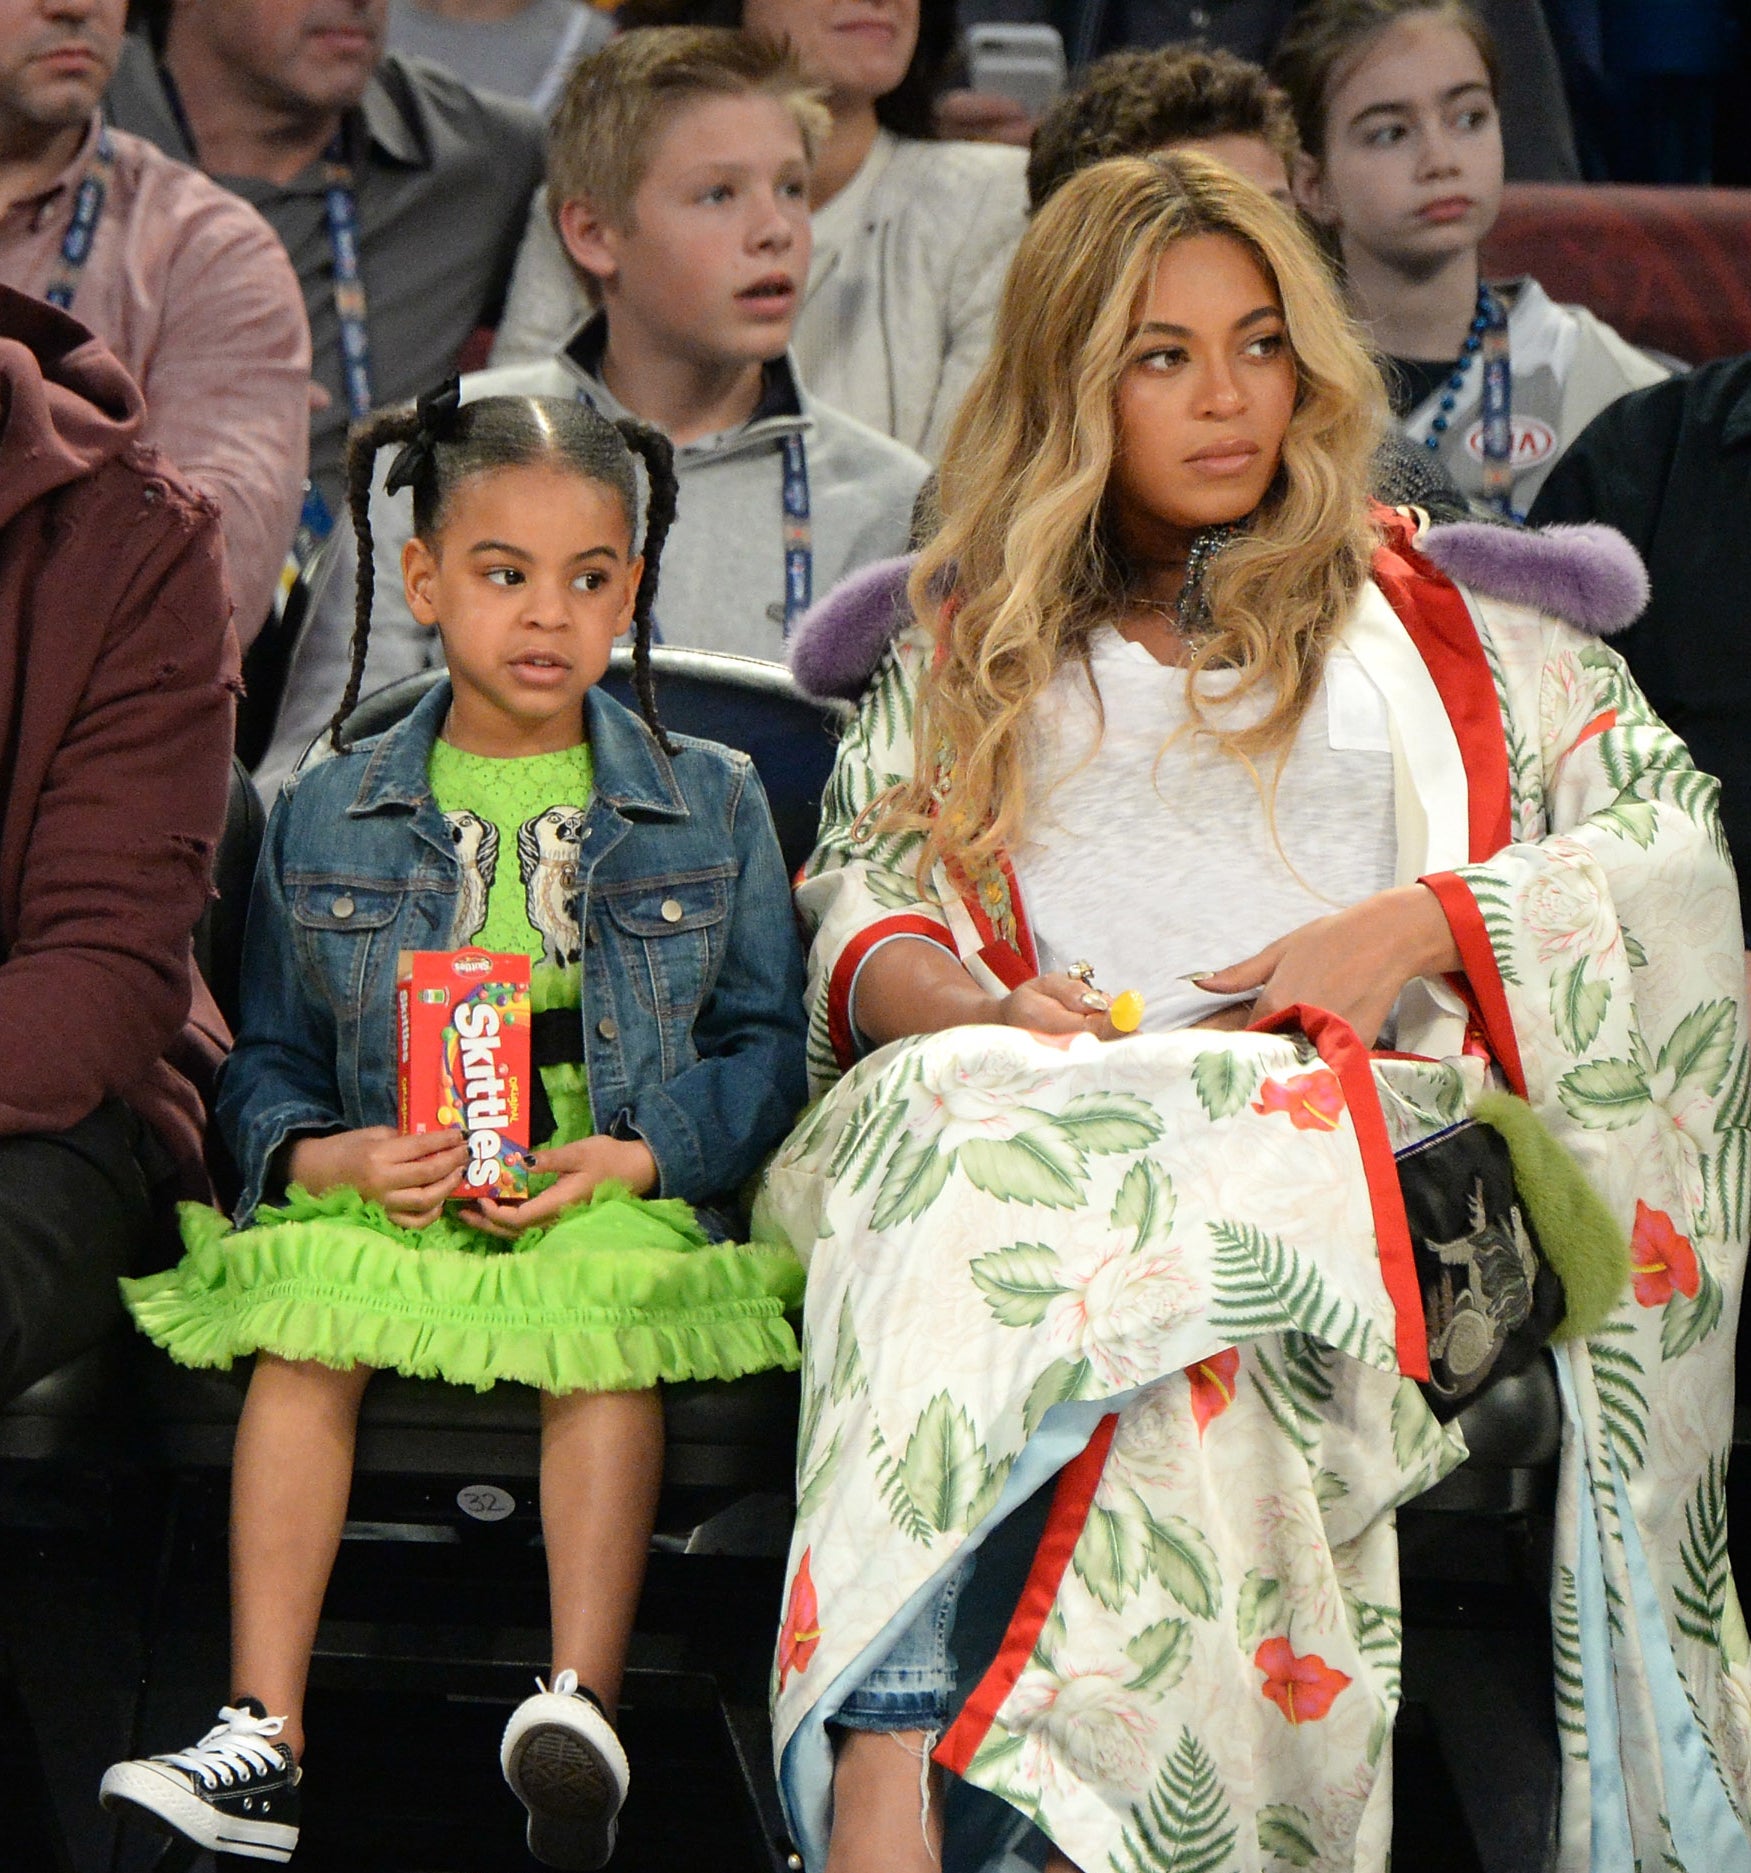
x,y
517,808
1396,103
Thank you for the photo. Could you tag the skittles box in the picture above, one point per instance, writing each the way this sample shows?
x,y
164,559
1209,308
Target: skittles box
x,y
462,1055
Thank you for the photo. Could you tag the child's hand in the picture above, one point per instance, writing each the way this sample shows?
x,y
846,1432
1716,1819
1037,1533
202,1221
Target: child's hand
x,y
581,1167
409,1174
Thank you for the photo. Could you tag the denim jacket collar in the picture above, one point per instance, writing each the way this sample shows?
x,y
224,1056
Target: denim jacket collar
x,y
631,772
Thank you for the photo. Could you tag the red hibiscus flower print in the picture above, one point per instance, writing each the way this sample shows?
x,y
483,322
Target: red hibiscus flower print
x,y
1213,1384
1662,1261
1314,1101
1304,1688
802,1624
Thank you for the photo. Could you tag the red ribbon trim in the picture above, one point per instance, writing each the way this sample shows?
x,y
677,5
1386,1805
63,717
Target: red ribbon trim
x,y
1483,978
845,973
1071,1502
1340,1047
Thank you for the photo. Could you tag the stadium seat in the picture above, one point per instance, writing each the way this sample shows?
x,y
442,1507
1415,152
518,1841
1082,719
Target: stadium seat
x,y
1670,269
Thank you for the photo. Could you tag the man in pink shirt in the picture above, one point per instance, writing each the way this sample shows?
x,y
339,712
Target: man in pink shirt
x,y
187,285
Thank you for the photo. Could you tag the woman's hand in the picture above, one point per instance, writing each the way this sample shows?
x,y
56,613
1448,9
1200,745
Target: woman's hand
x,y
410,1174
581,1167
1353,963
1055,1005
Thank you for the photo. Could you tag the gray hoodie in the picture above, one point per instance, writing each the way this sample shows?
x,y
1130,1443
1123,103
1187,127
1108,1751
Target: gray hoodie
x,y
723,570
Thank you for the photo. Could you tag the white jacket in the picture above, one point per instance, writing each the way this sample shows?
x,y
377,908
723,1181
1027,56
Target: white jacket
x,y
909,260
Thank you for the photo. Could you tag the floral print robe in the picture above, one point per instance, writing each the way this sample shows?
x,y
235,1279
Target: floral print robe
x,y
1169,1280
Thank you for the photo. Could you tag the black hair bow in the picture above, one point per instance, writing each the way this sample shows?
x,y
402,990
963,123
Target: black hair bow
x,y
435,414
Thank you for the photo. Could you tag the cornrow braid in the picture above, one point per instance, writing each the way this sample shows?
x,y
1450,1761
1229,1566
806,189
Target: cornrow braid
x,y
444,441
377,431
658,456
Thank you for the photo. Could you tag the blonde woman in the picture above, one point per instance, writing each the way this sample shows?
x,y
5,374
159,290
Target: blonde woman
x,y
1117,1361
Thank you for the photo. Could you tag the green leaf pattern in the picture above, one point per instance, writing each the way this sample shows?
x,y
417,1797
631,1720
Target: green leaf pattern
x,y
1061,1233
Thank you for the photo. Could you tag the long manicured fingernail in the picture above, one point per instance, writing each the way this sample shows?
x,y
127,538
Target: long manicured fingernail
x,y
1199,975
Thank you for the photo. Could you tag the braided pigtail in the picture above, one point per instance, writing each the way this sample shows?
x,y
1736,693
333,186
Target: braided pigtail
x,y
363,442
419,430
658,455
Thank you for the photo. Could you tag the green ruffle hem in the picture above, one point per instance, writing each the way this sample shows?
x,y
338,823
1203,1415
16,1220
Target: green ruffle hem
x,y
616,1294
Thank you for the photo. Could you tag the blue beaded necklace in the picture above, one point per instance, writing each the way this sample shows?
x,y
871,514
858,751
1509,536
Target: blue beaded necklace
x,y
1486,312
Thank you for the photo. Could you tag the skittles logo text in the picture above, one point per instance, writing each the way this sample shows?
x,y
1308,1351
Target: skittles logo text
x,y
476,1088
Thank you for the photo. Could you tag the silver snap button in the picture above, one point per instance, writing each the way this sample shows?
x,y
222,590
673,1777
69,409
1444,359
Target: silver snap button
x,y
606,1028
672,911
342,907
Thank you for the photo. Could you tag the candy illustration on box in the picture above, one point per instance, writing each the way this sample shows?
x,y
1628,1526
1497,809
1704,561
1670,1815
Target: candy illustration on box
x,y
463,1059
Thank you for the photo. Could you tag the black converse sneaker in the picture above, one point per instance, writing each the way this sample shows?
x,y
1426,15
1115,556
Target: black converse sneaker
x,y
565,1765
235,1792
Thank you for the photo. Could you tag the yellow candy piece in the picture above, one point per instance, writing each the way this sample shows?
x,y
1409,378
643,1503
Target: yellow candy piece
x,y
1126,1013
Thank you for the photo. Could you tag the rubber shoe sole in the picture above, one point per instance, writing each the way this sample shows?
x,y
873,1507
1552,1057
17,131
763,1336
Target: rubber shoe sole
x,y
565,1765
138,1789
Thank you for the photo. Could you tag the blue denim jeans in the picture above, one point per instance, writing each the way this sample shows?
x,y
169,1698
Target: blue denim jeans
x,y
913,1688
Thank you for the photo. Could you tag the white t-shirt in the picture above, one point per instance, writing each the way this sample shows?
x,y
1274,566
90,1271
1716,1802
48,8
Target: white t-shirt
x,y
1152,854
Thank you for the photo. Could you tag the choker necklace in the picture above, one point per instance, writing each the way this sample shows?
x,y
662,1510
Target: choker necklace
x,y
1480,323
1189,614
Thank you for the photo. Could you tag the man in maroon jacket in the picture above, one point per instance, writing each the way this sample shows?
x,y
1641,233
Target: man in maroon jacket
x,y
118,675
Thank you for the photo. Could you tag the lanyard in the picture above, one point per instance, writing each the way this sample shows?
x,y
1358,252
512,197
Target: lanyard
x,y
341,203
76,243
799,532
799,554
1498,409
342,206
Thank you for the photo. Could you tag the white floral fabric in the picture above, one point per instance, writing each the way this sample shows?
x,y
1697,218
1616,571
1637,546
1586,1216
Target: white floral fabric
x,y
1158,1271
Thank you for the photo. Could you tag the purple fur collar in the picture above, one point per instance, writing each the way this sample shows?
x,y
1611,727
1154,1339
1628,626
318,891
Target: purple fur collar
x,y
1590,576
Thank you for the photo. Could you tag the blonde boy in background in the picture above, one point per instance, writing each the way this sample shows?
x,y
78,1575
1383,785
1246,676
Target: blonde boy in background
x,y
678,169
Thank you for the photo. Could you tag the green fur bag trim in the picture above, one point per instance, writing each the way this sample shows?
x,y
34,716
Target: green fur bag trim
x,y
1582,1240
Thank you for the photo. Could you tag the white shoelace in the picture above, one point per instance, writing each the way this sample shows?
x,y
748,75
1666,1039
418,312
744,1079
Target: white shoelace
x,y
234,1747
565,1685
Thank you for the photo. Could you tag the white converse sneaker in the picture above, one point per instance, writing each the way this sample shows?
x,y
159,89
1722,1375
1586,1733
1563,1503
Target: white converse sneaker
x,y
565,1765
235,1792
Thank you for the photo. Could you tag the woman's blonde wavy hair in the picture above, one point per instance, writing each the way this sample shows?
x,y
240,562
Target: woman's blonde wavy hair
x,y
1024,542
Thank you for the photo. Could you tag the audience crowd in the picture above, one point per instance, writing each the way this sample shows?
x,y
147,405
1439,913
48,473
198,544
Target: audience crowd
x,y
766,242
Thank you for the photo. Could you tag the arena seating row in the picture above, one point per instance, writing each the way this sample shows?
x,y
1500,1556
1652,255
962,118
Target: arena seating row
x,y
1667,268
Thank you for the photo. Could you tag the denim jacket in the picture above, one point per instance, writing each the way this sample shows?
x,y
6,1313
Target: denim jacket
x,y
693,1026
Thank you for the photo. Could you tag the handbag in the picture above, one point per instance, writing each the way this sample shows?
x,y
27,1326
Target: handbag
x,y
1491,1298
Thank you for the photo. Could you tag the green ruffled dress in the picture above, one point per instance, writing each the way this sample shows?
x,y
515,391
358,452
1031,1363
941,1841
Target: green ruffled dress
x,y
616,1294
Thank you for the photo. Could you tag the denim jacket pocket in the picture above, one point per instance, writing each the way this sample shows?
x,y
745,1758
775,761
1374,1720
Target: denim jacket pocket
x,y
348,933
343,905
667,934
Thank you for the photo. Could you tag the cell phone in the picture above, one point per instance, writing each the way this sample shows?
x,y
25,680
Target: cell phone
x,y
1025,63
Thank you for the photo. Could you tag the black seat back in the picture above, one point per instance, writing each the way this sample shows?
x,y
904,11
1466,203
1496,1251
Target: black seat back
x,y
219,934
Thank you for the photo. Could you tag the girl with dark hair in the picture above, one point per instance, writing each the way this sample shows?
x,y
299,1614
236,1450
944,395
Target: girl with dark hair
x,y
1397,104
517,808
912,237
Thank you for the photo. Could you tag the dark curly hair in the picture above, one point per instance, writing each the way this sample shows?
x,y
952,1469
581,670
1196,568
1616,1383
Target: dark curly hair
x,y
444,441
1135,103
906,110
